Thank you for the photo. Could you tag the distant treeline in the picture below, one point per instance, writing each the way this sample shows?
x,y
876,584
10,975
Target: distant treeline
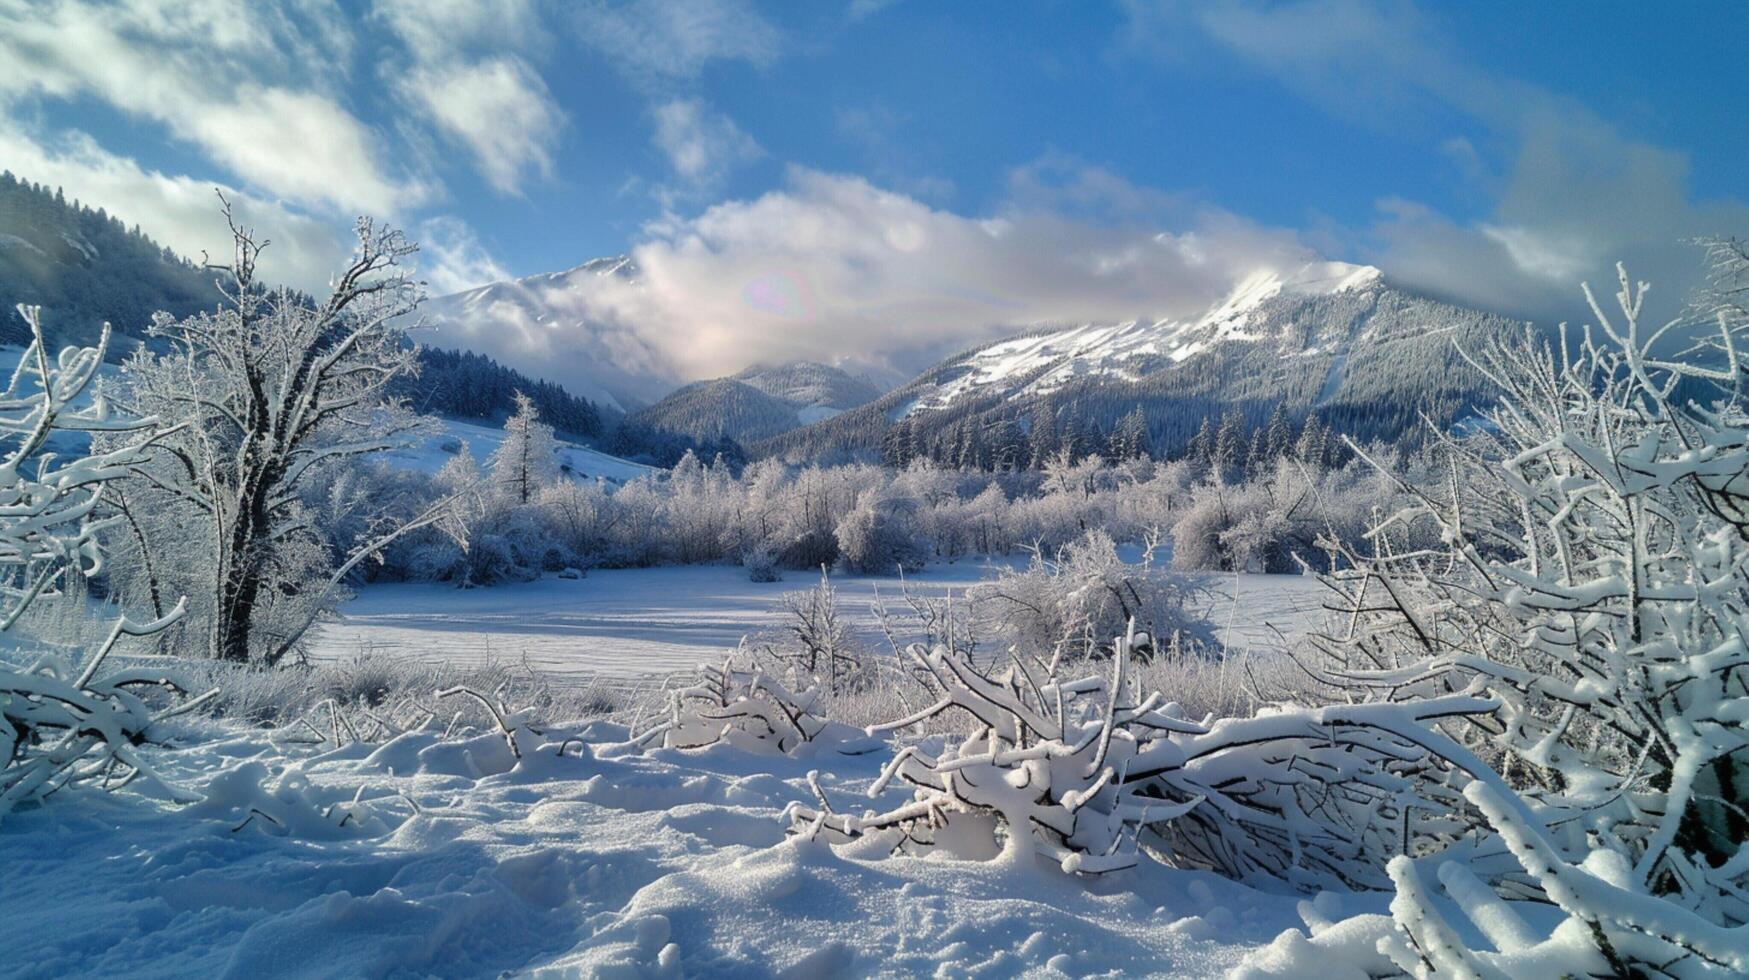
x,y
469,385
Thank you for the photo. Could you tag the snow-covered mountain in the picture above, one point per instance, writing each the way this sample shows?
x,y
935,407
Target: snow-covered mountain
x,y
818,391
760,402
1045,361
1328,338
549,326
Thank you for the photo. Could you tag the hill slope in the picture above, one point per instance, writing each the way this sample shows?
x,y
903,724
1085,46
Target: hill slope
x,y
1327,339
85,267
760,402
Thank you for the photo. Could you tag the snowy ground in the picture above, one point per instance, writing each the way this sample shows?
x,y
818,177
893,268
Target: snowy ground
x,y
631,622
597,863
435,856
482,440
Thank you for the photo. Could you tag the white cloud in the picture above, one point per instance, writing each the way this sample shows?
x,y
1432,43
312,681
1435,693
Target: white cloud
x,y
466,74
223,76
440,30
499,109
702,146
832,266
863,9
179,212
660,41
451,258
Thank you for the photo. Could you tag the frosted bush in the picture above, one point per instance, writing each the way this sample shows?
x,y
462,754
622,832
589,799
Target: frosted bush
x,y
65,722
880,535
815,640
1086,594
1089,772
1273,521
741,705
761,566
1592,580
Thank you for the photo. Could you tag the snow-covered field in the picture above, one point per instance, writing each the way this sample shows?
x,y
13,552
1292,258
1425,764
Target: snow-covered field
x,y
631,622
427,856
454,860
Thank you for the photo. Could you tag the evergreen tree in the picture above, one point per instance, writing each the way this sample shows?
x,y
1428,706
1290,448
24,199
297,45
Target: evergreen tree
x,y
1041,441
1279,437
527,459
1309,447
1256,456
1201,450
1130,439
1229,444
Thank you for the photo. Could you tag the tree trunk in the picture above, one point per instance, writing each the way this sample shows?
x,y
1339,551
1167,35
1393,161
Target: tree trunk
x,y
240,583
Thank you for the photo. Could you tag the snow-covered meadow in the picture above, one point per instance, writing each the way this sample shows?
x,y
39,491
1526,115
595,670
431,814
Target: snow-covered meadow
x,y
638,622
459,861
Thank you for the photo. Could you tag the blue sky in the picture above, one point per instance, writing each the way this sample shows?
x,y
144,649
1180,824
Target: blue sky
x,y
960,167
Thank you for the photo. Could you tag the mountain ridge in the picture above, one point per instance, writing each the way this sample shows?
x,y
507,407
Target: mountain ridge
x,y
1345,346
757,403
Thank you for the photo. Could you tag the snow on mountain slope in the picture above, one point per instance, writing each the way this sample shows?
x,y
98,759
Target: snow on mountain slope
x,y
760,402
581,461
1329,339
549,326
808,384
1041,362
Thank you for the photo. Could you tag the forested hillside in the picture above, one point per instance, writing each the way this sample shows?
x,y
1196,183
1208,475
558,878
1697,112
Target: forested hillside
x,y
85,266
758,403
473,386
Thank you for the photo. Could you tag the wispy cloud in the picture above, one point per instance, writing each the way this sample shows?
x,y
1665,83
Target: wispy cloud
x,y
296,124
465,76
452,258
702,146
219,77
1576,194
498,108
658,42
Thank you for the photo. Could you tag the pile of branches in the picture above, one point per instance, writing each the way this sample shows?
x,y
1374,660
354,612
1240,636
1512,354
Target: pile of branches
x,y
1089,772
61,723
1591,574
739,704
1610,925
1595,581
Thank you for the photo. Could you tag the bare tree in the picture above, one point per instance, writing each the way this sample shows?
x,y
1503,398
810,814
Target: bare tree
x,y
265,394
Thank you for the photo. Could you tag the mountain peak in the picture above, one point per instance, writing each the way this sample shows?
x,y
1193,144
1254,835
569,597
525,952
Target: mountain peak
x,y
1043,361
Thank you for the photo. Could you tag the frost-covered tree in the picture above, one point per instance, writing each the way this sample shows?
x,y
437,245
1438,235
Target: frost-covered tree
x,y
1130,440
1586,563
1086,593
64,722
880,535
255,401
817,639
527,459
